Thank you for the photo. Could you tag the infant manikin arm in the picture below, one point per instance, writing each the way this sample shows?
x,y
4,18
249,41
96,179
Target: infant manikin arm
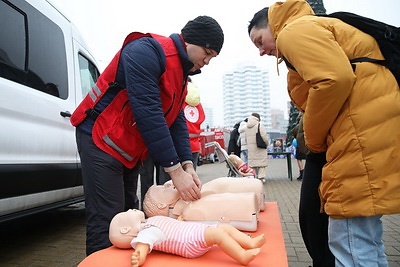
x,y
144,243
151,236
139,255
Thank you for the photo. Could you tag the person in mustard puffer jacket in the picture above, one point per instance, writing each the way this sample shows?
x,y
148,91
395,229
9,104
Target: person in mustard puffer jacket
x,y
351,115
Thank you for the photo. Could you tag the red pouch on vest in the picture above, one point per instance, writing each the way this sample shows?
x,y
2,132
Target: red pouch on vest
x,y
124,143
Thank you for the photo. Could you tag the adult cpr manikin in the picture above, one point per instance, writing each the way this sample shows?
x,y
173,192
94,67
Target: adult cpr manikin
x,y
236,201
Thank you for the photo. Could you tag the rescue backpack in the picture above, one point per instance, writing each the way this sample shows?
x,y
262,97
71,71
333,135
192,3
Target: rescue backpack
x,y
387,37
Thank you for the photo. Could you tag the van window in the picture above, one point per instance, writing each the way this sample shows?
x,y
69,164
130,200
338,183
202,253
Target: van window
x,y
89,74
12,43
38,62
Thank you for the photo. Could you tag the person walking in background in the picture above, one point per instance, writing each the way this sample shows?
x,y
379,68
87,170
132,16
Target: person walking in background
x,y
134,108
301,148
243,143
234,141
351,121
257,156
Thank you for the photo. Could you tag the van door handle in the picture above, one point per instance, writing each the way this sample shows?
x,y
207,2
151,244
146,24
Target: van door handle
x,y
65,114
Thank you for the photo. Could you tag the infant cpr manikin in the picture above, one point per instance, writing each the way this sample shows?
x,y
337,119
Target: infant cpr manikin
x,y
242,167
236,201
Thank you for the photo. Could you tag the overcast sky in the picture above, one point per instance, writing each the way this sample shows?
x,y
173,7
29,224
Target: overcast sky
x,y
104,24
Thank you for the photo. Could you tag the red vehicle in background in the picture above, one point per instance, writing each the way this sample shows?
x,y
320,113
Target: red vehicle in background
x,y
207,149
219,137
207,139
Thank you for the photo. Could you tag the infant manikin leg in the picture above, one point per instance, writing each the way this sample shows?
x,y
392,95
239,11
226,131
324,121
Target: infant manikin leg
x,y
244,240
231,243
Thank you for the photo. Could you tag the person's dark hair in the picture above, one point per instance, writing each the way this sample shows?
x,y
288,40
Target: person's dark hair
x,y
260,20
256,115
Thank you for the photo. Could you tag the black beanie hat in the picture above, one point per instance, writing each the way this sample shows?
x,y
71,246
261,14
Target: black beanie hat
x,y
204,31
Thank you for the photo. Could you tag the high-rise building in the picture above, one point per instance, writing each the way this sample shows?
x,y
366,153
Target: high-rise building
x,y
209,120
246,90
278,120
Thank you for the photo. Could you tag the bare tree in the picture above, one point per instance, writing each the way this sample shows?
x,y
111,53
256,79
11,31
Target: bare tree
x,y
317,6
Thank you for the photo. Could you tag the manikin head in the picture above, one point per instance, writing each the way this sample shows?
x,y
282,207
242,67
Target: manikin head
x,y
159,198
125,226
236,160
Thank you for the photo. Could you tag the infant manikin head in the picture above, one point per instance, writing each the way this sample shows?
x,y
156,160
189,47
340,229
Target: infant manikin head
x,y
159,198
235,160
124,227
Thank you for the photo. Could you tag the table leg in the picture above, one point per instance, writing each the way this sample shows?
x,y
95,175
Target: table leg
x,y
289,165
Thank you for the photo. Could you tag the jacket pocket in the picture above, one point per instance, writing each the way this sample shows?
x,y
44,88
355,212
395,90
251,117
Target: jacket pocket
x,y
117,129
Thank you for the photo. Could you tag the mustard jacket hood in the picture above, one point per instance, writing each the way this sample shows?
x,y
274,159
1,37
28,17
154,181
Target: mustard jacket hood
x,y
282,13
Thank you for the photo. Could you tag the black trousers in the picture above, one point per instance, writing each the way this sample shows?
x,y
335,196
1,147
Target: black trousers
x,y
109,188
313,224
146,172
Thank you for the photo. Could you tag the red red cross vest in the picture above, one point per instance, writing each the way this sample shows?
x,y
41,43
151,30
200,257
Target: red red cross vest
x,y
194,118
115,130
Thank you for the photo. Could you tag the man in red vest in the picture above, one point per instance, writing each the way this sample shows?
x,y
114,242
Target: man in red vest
x,y
135,108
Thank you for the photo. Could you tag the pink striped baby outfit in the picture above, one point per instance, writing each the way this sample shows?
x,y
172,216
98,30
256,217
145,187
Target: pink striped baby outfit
x,y
183,238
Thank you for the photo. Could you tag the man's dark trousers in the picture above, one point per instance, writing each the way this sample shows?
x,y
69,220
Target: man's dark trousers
x,y
109,188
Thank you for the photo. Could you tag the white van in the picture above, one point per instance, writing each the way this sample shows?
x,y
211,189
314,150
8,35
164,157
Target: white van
x,y
45,70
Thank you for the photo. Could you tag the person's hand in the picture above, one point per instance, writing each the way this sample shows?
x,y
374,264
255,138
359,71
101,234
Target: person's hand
x,y
135,258
187,185
190,169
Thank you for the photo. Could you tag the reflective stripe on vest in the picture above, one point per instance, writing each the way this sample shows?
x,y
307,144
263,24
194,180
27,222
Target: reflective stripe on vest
x,y
95,93
109,142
